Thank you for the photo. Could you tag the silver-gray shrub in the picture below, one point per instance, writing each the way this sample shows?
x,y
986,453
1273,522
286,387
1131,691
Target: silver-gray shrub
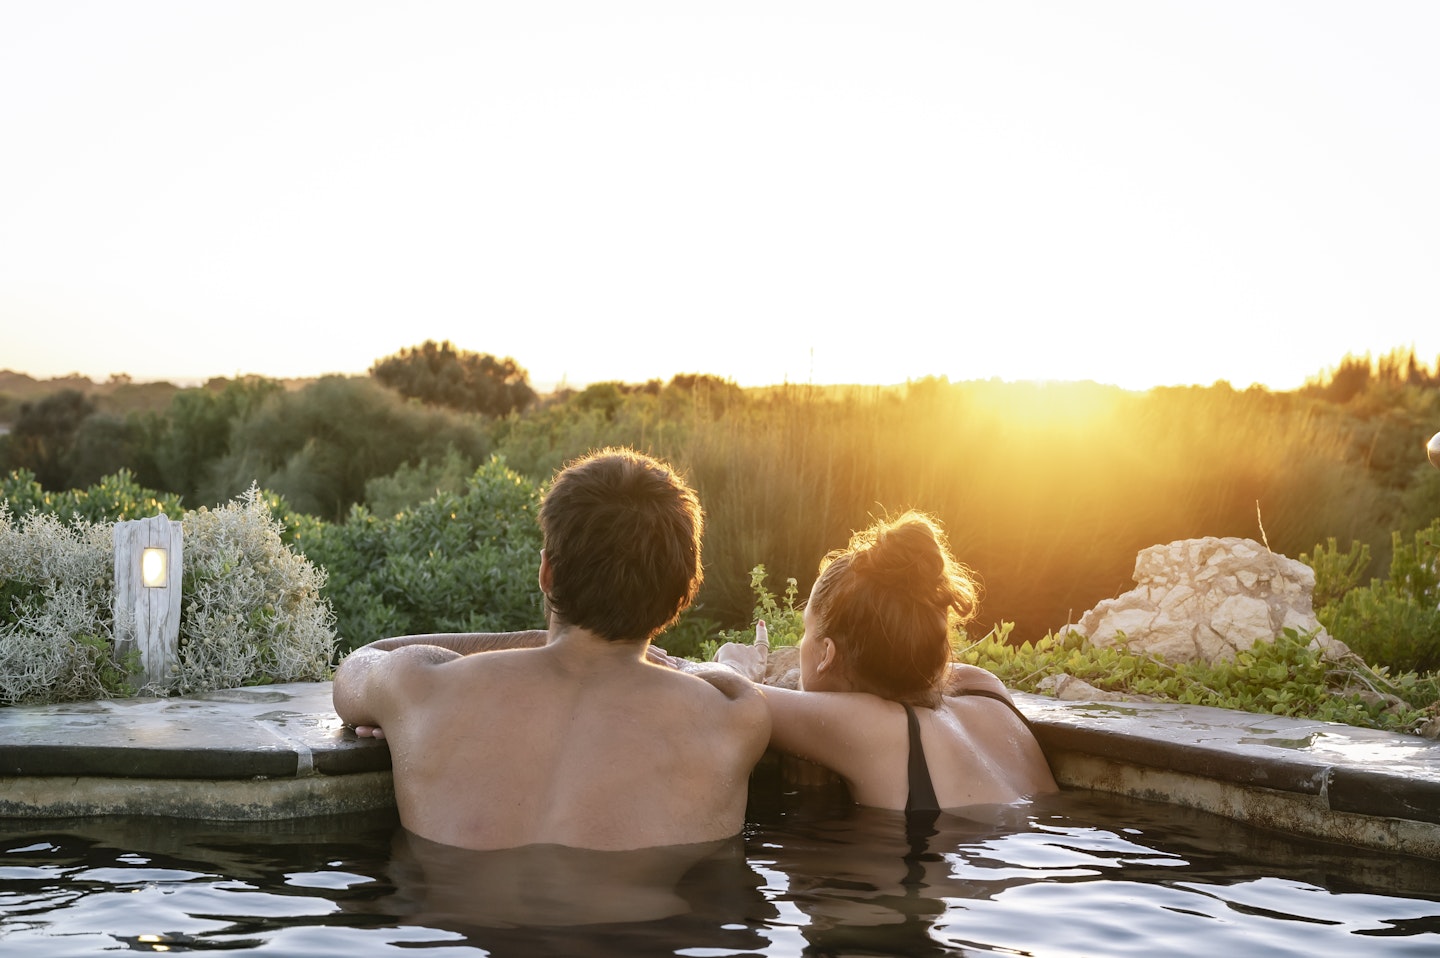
x,y
56,627
252,612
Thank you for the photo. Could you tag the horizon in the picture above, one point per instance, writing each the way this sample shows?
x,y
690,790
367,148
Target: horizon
x,y
1319,376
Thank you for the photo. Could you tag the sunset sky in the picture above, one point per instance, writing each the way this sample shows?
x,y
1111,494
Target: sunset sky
x,y
1138,193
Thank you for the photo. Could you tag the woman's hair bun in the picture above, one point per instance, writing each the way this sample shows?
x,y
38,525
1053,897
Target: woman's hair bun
x,y
908,555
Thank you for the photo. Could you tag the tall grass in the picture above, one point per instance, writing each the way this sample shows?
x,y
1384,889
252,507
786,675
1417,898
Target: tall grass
x,y
1047,490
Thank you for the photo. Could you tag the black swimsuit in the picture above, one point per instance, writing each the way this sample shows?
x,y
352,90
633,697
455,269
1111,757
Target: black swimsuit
x,y
922,810
921,801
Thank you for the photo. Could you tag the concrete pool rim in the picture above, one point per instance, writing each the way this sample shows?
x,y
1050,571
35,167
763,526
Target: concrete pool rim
x,y
280,752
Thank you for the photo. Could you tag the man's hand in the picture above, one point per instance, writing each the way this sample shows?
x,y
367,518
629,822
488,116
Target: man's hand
x,y
369,731
658,656
749,660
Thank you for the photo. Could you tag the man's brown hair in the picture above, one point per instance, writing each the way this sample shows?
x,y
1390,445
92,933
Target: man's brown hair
x,y
622,540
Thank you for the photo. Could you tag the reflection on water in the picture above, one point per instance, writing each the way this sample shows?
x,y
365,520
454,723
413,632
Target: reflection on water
x,y
1075,874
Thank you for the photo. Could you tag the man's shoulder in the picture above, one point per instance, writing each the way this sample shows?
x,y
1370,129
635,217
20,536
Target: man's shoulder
x,y
726,699
729,683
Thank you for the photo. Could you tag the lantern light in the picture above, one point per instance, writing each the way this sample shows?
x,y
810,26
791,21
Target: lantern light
x,y
154,568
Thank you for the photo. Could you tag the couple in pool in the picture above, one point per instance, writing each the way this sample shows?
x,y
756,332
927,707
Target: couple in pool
x,y
585,736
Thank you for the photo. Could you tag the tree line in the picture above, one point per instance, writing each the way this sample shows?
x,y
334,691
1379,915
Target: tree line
x,y
1047,490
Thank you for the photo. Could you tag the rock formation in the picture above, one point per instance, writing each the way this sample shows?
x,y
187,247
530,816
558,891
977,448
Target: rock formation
x,y
1206,599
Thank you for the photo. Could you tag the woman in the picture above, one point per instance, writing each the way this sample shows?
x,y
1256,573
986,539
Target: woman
x,y
879,702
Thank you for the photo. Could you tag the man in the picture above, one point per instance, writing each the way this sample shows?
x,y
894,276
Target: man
x,y
572,736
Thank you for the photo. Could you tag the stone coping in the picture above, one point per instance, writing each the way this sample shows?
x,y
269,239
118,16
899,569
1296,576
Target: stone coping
x,y
1362,771
280,751
1326,780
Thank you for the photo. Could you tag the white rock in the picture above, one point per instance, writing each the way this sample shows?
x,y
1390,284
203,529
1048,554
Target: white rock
x,y
1207,599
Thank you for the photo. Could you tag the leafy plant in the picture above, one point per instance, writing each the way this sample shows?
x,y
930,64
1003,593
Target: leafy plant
x,y
1394,621
1286,677
1336,573
319,445
784,623
458,562
411,485
113,498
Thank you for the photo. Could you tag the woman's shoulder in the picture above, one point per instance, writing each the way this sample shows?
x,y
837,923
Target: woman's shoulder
x,y
965,679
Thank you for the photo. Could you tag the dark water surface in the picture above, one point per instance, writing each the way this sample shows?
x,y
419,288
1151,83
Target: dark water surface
x,y
1079,874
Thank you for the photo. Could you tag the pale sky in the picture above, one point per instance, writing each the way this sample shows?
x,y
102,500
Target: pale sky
x,y
1139,193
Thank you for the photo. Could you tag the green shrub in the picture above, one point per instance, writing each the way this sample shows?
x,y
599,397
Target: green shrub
x,y
411,485
784,623
1394,622
319,445
1336,573
113,498
463,562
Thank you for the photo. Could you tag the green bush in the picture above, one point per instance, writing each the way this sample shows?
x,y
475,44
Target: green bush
x,y
112,499
1336,572
465,562
1395,621
411,485
319,445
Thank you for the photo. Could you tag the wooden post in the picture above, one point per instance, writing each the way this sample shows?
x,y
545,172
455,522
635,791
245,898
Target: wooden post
x,y
147,616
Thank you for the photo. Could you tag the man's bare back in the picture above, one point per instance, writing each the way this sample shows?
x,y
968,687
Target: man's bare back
x,y
571,736
581,742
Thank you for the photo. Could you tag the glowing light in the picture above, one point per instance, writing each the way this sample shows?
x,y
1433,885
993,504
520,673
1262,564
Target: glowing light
x,y
154,568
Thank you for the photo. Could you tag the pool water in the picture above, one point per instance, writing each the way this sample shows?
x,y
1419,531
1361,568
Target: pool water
x,y
1077,874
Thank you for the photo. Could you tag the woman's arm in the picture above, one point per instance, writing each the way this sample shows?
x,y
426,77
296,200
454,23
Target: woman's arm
x,y
843,731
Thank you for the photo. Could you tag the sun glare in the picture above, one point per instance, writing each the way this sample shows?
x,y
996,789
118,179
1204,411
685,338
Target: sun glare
x,y
1046,405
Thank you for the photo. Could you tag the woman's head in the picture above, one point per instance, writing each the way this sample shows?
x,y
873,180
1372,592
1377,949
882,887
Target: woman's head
x,y
888,602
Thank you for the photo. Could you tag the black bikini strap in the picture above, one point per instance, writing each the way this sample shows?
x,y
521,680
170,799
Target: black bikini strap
x,y
921,797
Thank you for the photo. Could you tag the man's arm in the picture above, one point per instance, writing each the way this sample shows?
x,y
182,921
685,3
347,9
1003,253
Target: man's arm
x,y
364,689
466,643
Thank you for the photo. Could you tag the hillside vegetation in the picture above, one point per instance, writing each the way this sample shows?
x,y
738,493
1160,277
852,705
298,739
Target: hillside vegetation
x,y
1047,490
